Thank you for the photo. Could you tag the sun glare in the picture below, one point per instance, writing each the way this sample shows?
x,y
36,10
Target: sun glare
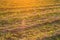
x,y
24,3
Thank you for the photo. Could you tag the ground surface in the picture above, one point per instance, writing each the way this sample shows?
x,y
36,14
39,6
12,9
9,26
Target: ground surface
x,y
30,21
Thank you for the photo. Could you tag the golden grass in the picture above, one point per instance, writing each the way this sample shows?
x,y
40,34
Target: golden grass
x,y
27,20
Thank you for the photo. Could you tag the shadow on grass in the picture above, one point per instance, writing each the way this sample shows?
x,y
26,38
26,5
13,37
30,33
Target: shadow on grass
x,y
57,37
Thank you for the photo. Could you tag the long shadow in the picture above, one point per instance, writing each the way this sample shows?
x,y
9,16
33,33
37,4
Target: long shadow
x,y
57,37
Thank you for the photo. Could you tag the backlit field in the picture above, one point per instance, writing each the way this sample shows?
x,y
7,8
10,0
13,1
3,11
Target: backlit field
x,y
29,20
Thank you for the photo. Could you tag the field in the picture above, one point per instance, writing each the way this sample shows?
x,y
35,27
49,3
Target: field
x,y
30,22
